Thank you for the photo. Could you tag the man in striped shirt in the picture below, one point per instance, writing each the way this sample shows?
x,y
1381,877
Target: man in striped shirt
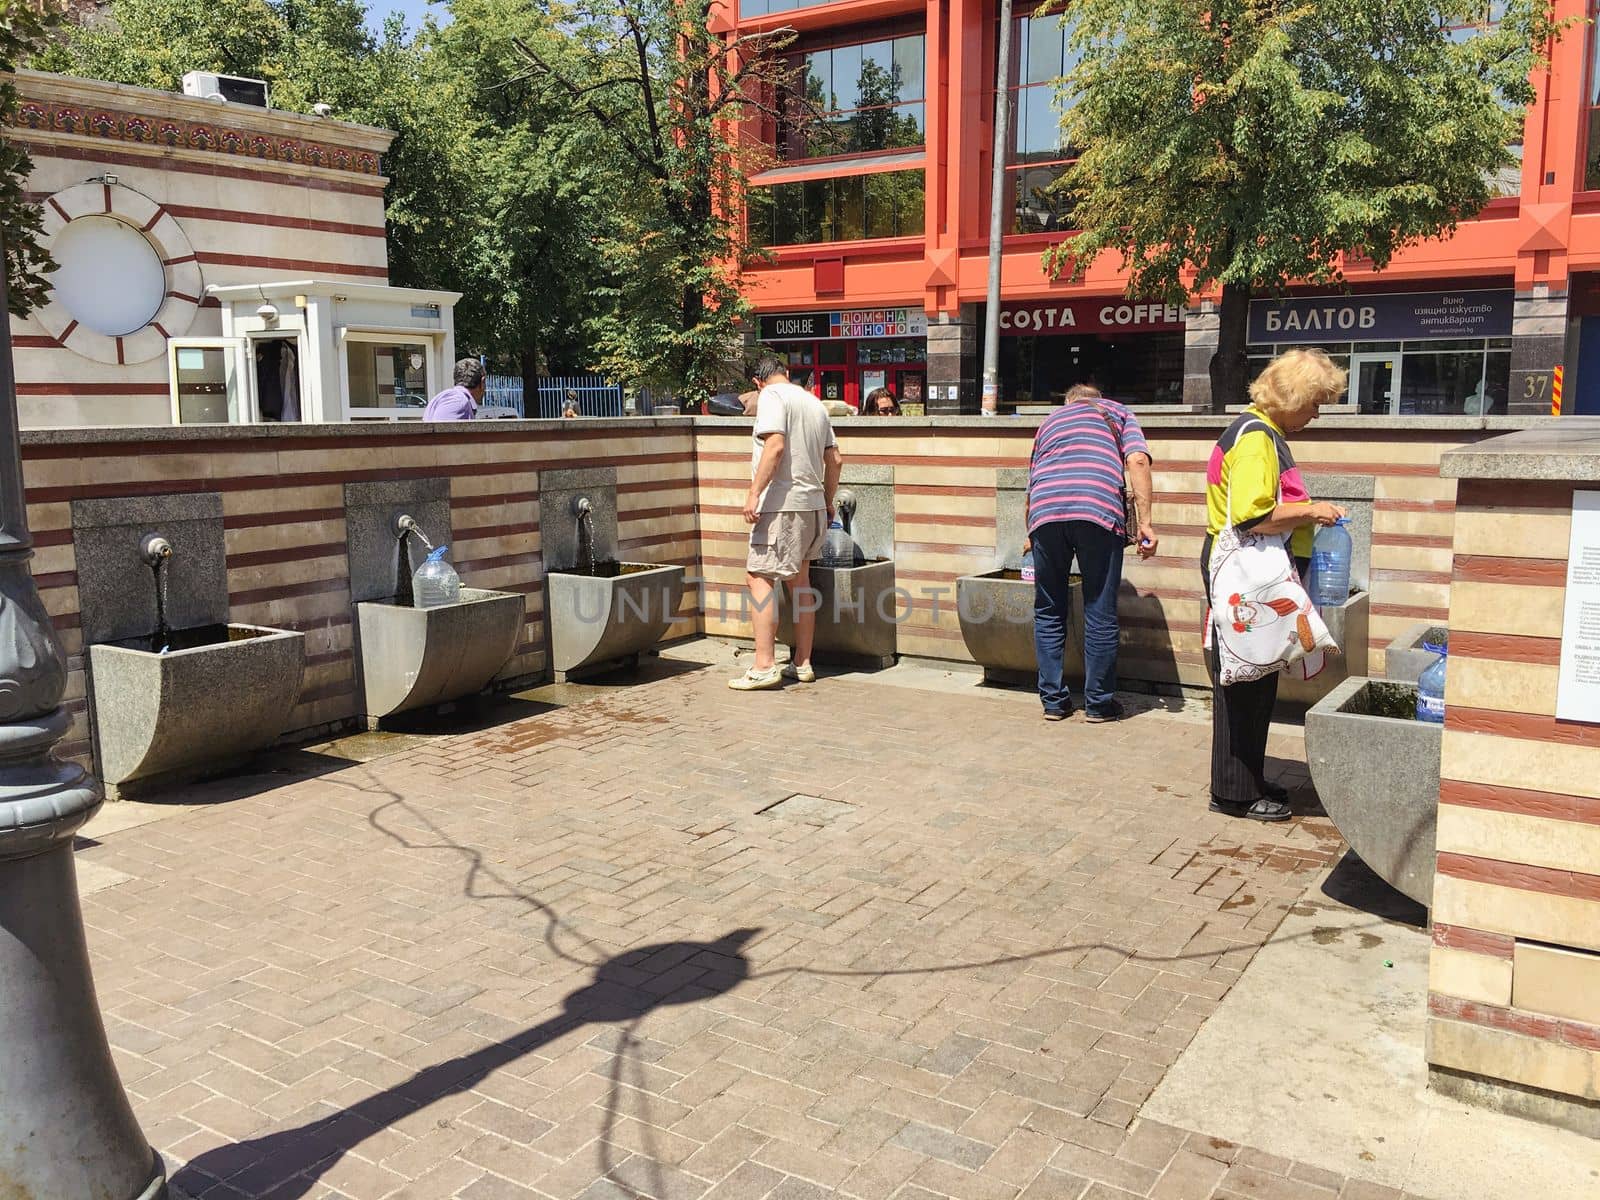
x,y
1081,456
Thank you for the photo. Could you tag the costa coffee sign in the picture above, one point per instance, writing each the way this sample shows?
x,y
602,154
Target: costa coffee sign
x,y
1035,317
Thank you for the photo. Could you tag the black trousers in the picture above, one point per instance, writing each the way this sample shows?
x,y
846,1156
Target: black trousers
x,y
1241,718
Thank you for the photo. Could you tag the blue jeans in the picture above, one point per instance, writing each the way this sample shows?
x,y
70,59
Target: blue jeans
x,y
1099,555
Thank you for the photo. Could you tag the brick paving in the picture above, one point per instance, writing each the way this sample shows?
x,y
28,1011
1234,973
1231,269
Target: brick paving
x,y
601,953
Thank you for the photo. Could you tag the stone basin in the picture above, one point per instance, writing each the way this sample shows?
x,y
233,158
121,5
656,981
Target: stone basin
x,y
610,614
1376,770
996,613
217,695
413,658
1404,659
856,617
1349,624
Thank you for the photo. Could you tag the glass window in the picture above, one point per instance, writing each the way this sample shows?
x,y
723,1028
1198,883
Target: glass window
x,y
855,99
205,383
1042,57
910,60
885,204
1043,41
1037,208
389,375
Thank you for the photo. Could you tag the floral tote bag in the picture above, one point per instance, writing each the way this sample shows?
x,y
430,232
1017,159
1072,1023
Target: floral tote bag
x,y
1260,615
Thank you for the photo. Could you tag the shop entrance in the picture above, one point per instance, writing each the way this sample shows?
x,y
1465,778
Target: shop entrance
x,y
907,383
1374,382
848,370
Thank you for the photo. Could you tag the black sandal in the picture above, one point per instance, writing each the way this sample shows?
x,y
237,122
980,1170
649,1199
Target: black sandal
x,y
1268,809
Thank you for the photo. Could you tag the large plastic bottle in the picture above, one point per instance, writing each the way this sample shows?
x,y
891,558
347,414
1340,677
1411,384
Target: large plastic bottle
x,y
1430,686
1330,565
838,548
1029,572
435,582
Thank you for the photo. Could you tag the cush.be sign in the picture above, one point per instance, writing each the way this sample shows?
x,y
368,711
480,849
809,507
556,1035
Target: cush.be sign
x,y
1383,317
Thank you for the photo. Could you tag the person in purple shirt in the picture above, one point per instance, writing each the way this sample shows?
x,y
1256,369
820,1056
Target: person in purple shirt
x,y
1082,454
459,403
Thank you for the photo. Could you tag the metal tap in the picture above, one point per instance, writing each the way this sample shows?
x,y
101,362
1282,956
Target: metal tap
x,y
581,506
155,549
403,524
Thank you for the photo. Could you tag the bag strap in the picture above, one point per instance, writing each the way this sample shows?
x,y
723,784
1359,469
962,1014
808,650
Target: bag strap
x,y
1116,438
1227,510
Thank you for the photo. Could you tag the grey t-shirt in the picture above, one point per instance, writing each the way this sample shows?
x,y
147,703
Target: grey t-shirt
x,y
807,433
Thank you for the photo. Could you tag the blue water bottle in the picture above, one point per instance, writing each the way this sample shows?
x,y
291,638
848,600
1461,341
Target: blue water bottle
x,y
1430,686
1330,564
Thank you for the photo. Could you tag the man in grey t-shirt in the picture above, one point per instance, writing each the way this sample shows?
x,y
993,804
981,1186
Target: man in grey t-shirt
x,y
794,469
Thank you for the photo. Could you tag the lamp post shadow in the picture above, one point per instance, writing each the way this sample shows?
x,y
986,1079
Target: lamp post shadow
x,y
625,989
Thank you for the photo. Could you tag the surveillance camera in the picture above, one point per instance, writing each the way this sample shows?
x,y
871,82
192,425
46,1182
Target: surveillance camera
x,y
322,110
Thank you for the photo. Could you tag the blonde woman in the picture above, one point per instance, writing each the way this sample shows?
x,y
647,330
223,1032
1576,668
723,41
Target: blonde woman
x,y
1252,469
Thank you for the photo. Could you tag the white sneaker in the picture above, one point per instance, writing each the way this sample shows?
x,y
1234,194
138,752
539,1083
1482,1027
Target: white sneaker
x,y
756,681
802,672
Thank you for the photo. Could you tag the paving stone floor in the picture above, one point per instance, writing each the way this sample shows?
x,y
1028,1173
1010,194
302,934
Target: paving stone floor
x,y
680,943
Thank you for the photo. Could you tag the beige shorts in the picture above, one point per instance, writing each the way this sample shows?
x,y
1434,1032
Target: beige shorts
x,y
781,541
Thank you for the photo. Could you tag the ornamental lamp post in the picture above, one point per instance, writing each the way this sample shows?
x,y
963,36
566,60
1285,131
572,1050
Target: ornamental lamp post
x,y
67,1131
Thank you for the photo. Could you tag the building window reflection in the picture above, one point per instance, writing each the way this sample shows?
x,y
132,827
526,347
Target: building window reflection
x,y
854,99
885,204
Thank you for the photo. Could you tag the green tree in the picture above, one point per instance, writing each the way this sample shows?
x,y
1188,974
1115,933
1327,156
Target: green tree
x,y
665,94
23,29
1250,143
539,186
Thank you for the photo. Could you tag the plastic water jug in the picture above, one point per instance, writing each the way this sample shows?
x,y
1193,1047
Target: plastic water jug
x,y
1430,686
838,548
435,582
1330,565
1029,574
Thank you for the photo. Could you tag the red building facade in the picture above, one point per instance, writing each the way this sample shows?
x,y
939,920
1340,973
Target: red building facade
x,y
877,226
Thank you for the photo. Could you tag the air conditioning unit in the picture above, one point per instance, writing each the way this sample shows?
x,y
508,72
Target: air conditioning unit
x,y
235,89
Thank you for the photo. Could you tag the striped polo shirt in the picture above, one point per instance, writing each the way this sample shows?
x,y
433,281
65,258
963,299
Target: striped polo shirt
x,y
1077,468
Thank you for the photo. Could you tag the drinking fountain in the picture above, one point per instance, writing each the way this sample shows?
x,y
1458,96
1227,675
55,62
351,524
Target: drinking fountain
x,y
176,690
411,658
600,612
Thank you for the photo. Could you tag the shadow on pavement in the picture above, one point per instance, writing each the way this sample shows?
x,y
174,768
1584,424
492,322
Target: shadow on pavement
x,y
625,988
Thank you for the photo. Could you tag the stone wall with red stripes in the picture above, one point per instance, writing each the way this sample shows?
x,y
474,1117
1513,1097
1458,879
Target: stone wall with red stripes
x,y
282,493
947,520
1514,988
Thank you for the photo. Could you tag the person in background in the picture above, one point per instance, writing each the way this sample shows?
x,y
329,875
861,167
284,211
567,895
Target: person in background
x,y
459,403
794,471
1252,483
1082,454
570,409
880,402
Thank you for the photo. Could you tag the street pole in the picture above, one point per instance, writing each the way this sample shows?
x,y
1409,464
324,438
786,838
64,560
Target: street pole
x,y
997,211
66,1128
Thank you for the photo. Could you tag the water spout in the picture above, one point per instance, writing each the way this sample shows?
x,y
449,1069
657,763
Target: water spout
x,y
844,500
405,526
584,511
157,554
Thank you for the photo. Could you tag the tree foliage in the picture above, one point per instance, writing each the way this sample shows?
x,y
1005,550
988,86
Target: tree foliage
x,y
493,191
24,26
1244,144
665,94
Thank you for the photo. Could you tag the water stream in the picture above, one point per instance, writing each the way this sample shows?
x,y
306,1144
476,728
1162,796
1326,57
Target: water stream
x,y
162,641
586,543
403,568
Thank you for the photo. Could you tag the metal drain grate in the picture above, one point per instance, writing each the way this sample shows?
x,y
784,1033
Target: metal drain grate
x,y
807,810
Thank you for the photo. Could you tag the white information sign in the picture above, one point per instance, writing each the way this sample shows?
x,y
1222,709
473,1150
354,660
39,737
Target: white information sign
x,y
1578,691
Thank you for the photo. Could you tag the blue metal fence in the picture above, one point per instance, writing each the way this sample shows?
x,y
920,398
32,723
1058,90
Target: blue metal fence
x,y
592,395
503,392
